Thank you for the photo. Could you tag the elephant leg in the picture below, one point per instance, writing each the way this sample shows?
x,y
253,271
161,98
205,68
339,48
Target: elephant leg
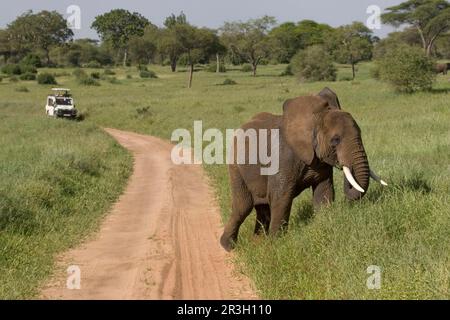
x,y
323,193
280,211
262,218
242,205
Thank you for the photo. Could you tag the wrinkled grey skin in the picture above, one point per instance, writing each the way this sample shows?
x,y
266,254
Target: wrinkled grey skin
x,y
315,135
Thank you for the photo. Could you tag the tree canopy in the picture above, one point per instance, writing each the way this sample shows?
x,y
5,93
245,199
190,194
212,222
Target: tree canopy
x,y
430,18
118,26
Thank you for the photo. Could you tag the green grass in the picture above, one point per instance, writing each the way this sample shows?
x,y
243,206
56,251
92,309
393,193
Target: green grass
x,y
57,179
404,228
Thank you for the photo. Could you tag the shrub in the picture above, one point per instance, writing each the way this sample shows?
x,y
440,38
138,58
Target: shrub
x,y
129,76
12,69
408,69
1,79
313,64
88,81
345,78
113,80
246,67
213,68
26,68
22,89
375,71
109,72
28,76
228,82
95,75
287,71
46,78
142,67
31,60
93,64
13,79
147,74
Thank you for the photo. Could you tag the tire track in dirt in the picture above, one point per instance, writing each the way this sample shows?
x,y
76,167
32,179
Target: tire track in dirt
x,y
161,239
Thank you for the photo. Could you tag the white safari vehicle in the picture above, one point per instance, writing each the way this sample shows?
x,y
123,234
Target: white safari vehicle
x,y
60,104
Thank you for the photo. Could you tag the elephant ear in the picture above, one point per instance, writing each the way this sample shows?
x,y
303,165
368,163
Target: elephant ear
x,y
331,97
299,124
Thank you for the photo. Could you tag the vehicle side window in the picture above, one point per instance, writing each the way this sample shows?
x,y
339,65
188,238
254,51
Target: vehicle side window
x,y
50,102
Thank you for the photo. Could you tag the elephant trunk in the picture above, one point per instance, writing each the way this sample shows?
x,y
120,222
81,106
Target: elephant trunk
x,y
360,170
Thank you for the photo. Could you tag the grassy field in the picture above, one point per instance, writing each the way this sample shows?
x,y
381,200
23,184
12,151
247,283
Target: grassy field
x,y
404,228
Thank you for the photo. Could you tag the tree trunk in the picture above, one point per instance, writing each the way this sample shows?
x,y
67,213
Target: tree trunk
x,y
47,56
191,73
217,63
173,64
125,57
254,66
353,70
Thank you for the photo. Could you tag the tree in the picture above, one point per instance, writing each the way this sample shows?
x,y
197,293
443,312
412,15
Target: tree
x,y
118,26
351,44
249,39
143,49
196,43
168,40
289,37
39,31
5,47
430,18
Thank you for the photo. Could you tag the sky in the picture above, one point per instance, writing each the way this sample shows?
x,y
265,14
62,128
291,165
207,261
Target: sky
x,y
207,13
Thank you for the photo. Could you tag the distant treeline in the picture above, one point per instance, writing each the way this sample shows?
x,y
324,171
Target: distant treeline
x,y
44,39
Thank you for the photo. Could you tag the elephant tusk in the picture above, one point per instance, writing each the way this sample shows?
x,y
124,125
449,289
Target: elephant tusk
x,y
348,175
377,178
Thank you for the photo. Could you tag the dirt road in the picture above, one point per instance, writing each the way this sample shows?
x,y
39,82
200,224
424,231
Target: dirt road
x,y
159,242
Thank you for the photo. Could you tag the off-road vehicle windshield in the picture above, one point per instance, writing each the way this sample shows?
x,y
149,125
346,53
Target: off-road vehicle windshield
x,y
64,101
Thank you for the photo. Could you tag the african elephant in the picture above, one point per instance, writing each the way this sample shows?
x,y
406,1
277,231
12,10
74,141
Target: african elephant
x,y
315,135
442,68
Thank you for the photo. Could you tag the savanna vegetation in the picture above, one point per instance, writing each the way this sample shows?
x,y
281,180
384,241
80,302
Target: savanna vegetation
x,y
58,178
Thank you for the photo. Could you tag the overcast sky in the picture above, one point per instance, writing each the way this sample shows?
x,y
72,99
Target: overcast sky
x,y
207,13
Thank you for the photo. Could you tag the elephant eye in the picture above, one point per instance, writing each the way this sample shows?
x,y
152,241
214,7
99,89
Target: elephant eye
x,y
335,141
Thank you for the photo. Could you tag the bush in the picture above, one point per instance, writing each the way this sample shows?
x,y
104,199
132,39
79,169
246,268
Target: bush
x,y
88,81
46,78
246,67
109,72
93,64
113,80
28,76
12,69
129,76
213,68
345,78
313,64
13,79
26,68
147,74
32,60
95,75
287,71
408,69
142,67
228,82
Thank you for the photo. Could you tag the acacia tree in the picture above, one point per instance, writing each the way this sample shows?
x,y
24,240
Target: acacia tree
x,y
168,43
143,49
351,44
41,30
5,47
431,18
196,43
249,39
118,26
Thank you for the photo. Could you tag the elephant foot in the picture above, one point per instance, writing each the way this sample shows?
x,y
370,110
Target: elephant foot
x,y
227,242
